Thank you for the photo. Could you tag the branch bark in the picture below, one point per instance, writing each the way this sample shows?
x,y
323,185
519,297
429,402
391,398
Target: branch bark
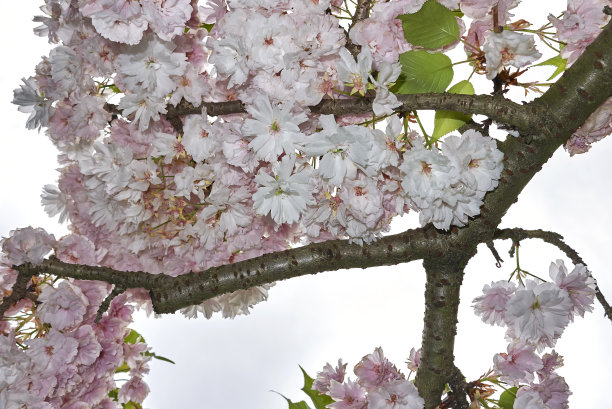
x,y
444,278
19,292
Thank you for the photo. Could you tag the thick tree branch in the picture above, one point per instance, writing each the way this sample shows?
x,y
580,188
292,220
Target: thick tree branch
x,y
123,279
172,293
556,240
498,109
191,289
19,292
444,278
457,397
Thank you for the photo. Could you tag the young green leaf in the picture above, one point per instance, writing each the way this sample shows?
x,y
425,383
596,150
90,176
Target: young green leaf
x,y
114,394
131,405
423,72
161,358
556,61
448,121
123,368
133,337
294,405
506,400
319,401
433,26
208,27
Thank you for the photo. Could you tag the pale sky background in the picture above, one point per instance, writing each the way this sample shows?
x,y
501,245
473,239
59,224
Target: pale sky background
x,y
308,321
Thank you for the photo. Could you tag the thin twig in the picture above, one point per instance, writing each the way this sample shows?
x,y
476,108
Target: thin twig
x,y
106,303
498,259
556,240
361,13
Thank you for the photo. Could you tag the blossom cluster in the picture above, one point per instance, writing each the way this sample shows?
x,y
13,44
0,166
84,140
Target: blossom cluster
x,y
147,191
157,198
61,357
535,314
379,385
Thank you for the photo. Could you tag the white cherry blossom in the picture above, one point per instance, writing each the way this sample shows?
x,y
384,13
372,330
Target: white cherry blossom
x,y
508,48
285,195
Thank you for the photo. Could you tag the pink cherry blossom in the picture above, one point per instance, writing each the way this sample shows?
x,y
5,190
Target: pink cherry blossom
x,y
63,306
324,378
579,284
519,364
133,390
553,393
396,394
375,370
580,24
538,313
491,306
347,395
414,360
27,245
550,362
597,126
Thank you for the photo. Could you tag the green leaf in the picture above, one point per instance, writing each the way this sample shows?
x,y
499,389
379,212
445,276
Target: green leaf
x,y
293,405
123,368
506,400
133,337
319,401
423,72
208,27
433,26
556,61
114,394
448,121
161,358
131,405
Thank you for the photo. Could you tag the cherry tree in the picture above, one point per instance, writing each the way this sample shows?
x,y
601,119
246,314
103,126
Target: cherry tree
x,y
209,150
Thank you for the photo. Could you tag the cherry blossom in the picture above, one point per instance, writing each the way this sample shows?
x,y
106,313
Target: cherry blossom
x,y
538,313
579,285
491,306
275,129
397,394
31,100
324,378
27,245
285,195
508,48
579,26
347,395
519,364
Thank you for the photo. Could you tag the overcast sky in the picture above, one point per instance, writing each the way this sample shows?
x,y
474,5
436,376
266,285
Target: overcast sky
x,y
308,321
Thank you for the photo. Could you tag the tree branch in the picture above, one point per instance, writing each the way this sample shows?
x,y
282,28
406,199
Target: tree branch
x,y
362,11
169,294
19,292
498,109
518,234
444,278
191,289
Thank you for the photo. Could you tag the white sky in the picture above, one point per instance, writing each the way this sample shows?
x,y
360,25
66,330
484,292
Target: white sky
x,y
308,321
